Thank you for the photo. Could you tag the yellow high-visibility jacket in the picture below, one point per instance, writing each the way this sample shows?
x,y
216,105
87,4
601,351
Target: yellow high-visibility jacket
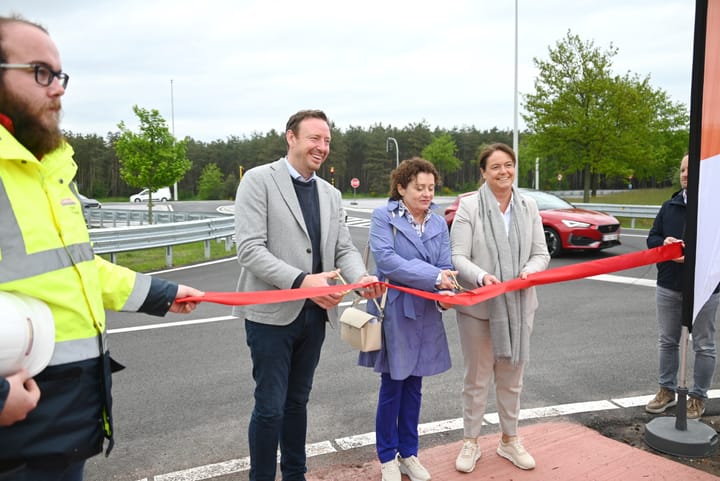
x,y
45,252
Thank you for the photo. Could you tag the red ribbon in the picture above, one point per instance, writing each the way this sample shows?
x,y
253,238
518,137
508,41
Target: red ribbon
x,y
466,298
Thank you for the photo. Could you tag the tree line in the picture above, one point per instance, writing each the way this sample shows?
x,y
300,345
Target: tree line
x,y
357,152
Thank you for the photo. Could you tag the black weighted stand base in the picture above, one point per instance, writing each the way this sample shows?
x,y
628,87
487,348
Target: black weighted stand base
x,y
698,441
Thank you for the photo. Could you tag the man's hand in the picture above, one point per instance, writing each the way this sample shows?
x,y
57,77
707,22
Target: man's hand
x,y
185,307
672,240
373,291
321,280
489,279
22,398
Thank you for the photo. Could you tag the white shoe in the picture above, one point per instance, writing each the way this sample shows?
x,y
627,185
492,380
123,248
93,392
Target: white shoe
x,y
391,471
469,455
515,452
414,470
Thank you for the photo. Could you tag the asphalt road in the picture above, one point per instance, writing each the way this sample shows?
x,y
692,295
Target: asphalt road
x,y
185,399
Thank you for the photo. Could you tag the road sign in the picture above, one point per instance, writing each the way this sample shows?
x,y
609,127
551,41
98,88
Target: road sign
x,y
354,182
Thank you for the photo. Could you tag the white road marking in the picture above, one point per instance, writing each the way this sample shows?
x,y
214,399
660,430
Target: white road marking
x,y
163,325
210,471
358,222
643,236
635,281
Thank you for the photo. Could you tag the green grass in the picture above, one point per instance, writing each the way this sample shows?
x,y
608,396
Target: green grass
x,y
631,197
148,260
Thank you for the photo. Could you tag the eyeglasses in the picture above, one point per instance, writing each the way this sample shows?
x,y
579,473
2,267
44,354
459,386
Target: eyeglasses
x,y
44,75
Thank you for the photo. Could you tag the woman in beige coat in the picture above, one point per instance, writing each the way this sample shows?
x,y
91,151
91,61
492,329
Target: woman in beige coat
x,y
497,235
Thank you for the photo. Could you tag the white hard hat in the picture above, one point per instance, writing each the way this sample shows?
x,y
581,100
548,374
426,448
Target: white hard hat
x,y
27,334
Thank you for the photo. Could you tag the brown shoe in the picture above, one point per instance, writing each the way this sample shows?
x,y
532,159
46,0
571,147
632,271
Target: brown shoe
x,y
665,398
695,408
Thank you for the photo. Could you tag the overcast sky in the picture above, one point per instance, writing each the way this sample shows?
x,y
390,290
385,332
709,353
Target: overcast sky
x,y
243,66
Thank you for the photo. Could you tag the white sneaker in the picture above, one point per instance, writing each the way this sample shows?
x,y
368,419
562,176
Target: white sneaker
x,y
469,455
414,470
515,452
391,471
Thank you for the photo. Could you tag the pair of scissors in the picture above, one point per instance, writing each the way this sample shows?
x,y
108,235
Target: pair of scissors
x,y
456,285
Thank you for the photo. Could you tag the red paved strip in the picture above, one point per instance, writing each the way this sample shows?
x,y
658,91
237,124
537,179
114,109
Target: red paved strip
x,y
563,452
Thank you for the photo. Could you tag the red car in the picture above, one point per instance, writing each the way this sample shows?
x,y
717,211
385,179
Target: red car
x,y
566,227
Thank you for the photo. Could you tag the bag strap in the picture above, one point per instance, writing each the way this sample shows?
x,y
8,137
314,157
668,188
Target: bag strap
x,y
356,301
380,305
366,258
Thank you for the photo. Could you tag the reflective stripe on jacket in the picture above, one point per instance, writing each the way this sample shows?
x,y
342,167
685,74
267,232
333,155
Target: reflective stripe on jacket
x,y
45,252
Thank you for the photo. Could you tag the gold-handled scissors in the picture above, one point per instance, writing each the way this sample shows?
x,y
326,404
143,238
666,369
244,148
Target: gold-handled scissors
x,y
457,285
341,279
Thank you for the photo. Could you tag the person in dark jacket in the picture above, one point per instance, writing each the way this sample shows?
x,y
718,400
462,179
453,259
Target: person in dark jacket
x,y
668,228
52,423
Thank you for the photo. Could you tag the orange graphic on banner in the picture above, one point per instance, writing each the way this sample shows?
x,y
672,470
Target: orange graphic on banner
x,y
710,136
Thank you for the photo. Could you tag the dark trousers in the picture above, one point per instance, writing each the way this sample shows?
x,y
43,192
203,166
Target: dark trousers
x,y
398,415
43,471
284,360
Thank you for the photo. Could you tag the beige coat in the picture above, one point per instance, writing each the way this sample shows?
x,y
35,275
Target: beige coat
x,y
472,259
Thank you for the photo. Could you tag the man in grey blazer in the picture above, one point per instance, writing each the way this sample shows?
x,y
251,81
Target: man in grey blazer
x,y
290,233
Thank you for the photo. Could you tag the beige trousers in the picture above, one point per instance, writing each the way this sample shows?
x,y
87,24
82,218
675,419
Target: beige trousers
x,y
481,369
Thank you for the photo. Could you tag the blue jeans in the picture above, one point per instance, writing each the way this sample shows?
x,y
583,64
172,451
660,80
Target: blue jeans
x,y
669,316
284,360
397,418
43,471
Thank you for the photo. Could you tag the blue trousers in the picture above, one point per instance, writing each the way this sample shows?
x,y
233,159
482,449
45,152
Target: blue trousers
x,y
398,415
42,471
284,360
669,316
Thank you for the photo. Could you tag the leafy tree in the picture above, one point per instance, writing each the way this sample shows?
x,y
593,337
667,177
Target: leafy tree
x,y
441,152
211,183
151,158
94,162
230,185
590,121
414,139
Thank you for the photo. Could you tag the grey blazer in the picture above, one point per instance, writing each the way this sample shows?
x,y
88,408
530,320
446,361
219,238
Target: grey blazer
x,y
273,244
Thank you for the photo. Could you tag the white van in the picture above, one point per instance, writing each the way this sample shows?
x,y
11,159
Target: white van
x,y
162,194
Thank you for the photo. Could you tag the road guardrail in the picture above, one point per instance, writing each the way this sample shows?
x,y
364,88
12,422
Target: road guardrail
x,y
622,210
116,217
113,240
131,231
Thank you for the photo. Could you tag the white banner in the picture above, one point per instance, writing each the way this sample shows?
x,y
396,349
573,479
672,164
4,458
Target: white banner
x,y
707,264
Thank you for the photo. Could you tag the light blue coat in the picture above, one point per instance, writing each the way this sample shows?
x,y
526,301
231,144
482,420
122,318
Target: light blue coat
x,y
414,340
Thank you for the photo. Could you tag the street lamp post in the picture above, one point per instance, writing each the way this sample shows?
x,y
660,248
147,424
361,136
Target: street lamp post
x,y
397,150
172,118
515,100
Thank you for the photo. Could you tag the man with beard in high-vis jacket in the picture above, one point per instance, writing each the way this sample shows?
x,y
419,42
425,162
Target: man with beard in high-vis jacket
x,y
51,424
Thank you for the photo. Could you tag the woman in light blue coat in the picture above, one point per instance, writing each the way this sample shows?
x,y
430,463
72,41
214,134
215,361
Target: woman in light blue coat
x,y
411,248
